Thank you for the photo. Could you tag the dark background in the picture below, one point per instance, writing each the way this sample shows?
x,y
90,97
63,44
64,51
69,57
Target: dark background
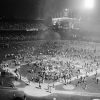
x,y
39,8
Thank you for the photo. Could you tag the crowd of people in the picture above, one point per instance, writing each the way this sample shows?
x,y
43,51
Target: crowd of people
x,y
21,26
20,31
42,60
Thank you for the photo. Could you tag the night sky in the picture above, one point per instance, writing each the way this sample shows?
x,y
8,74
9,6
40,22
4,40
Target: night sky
x,y
38,8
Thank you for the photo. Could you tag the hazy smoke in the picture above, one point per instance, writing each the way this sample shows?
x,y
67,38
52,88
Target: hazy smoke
x,y
49,35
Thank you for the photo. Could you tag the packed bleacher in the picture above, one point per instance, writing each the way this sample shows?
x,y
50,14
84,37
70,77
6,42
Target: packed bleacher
x,y
20,31
21,26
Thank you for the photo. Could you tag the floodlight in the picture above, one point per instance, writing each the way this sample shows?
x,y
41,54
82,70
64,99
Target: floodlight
x,y
89,4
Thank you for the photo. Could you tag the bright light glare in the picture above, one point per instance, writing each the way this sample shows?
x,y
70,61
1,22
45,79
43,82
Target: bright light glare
x,y
33,91
89,4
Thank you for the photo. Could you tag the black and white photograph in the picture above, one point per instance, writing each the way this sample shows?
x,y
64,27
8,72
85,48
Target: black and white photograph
x,y
49,49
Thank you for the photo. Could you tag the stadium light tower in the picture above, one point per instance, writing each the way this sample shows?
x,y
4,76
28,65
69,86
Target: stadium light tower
x,y
89,4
